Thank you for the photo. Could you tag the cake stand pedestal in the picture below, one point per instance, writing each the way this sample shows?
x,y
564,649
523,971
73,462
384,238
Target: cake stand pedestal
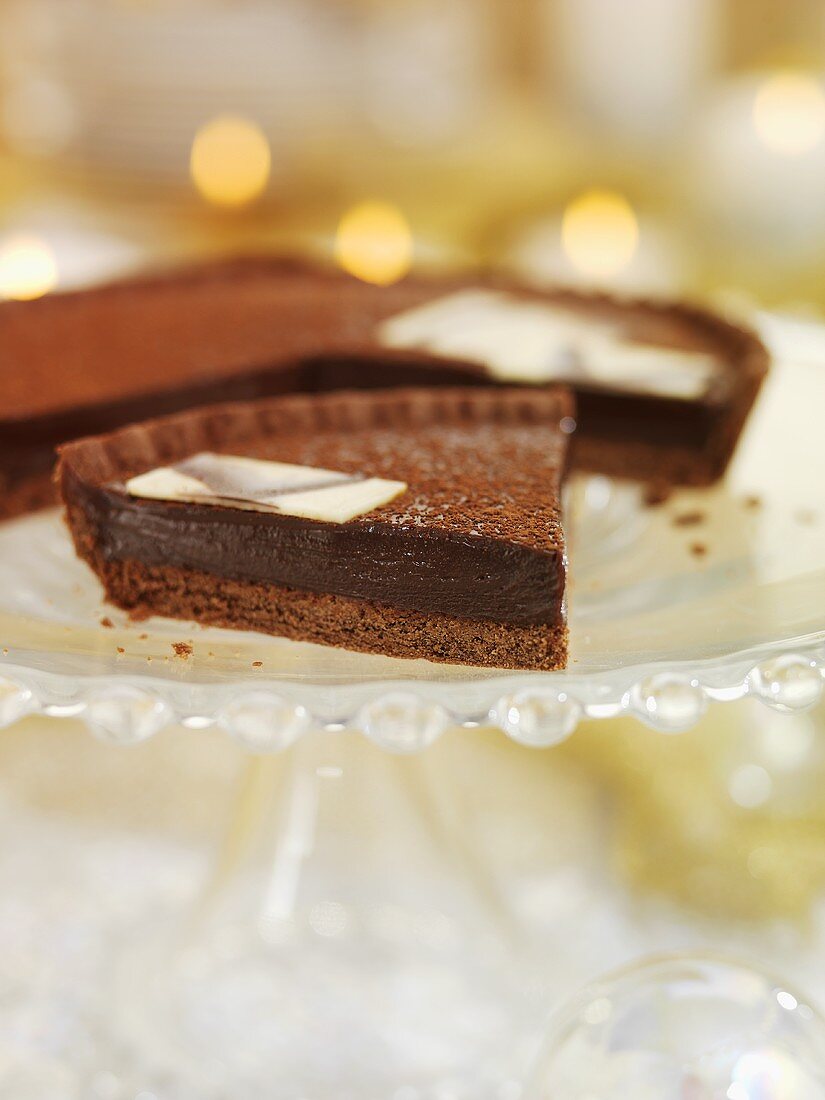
x,y
352,940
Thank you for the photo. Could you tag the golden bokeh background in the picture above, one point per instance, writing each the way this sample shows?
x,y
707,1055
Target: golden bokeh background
x,y
673,145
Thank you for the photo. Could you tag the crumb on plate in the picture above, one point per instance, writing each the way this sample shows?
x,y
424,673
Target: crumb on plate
x,y
689,519
656,493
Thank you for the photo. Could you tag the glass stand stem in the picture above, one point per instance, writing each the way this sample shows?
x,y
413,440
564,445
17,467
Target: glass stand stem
x,y
350,931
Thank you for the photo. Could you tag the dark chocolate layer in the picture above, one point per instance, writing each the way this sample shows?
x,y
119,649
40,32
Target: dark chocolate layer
x,y
421,569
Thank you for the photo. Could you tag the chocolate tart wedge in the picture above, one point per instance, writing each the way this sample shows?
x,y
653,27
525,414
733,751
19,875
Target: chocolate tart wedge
x,y
663,389
409,522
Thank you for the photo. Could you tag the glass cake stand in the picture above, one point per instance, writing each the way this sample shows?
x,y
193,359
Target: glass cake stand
x,y
352,939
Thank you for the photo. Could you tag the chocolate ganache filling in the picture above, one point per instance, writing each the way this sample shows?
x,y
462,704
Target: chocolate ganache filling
x,y
415,568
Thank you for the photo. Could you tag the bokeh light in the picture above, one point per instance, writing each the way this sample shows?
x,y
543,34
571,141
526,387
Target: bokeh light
x,y
230,161
375,243
789,113
28,268
37,116
600,233
750,786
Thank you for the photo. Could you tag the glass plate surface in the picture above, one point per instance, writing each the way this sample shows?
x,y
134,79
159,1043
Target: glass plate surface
x,y
708,596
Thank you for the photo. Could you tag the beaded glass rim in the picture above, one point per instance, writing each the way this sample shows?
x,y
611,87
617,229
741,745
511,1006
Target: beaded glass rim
x,y
407,716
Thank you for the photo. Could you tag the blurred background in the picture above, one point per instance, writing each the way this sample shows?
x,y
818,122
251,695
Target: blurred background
x,y
662,145
655,146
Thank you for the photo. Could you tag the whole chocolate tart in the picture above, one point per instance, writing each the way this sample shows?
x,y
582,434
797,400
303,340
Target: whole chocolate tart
x,y
662,389
409,522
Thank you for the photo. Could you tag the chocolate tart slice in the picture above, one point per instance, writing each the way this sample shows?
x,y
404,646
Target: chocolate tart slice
x,y
663,389
409,522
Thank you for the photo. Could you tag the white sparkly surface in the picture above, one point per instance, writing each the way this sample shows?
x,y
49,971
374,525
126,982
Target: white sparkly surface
x,y
489,876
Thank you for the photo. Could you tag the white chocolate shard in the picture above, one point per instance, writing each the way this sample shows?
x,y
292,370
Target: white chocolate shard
x,y
234,481
166,483
670,372
339,503
529,341
254,478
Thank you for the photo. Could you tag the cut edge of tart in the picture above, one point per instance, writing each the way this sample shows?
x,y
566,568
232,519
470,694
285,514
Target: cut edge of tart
x,y
462,559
